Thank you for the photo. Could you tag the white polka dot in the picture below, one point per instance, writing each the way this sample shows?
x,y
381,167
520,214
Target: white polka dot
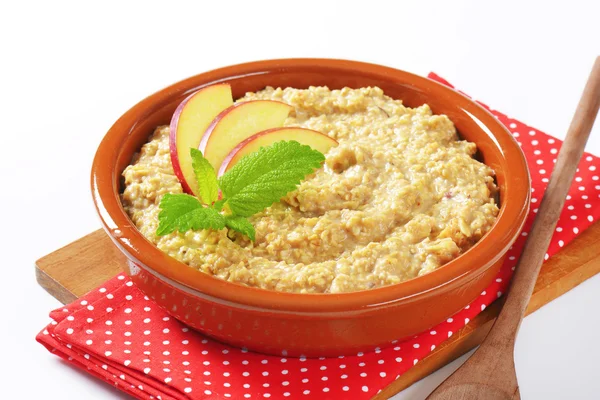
x,y
449,320
187,390
534,142
89,342
416,345
589,158
512,125
306,392
69,331
575,231
449,333
398,359
432,347
126,363
326,390
345,388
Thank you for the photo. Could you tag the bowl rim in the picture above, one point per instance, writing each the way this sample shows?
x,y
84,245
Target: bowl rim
x,y
490,248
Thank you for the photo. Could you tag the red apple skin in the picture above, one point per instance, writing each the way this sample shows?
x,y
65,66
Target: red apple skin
x,y
173,146
227,163
175,161
209,131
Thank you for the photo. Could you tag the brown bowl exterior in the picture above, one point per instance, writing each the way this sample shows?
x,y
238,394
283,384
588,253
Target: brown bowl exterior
x,y
313,324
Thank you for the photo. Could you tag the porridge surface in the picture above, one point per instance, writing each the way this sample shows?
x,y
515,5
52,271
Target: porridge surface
x,y
399,196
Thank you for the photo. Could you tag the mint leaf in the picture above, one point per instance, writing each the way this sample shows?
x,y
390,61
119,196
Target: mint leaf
x,y
208,191
218,205
262,178
242,225
182,212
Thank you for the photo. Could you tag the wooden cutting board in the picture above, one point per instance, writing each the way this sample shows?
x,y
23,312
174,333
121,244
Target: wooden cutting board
x,y
85,264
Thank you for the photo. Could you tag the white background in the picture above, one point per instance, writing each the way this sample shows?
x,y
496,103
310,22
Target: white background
x,y
68,71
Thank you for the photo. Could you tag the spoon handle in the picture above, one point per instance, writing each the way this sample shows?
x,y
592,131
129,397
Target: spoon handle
x,y
551,206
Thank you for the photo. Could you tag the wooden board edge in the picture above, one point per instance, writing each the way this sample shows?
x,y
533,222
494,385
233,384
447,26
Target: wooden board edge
x,y
54,288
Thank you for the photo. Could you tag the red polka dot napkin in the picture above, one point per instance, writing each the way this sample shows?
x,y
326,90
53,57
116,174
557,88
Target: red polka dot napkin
x,y
119,335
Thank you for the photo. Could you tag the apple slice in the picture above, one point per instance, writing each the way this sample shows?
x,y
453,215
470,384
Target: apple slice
x,y
239,122
314,139
189,122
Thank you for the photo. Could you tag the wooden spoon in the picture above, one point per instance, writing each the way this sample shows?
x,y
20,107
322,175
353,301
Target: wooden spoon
x,y
490,372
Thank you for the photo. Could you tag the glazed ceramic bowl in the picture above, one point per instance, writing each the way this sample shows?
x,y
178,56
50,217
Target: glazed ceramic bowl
x,y
312,324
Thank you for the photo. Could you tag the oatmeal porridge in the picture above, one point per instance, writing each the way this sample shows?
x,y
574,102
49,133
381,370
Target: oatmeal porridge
x,y
400,196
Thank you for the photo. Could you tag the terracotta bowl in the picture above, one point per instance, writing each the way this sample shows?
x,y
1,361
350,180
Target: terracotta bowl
x,y
312,324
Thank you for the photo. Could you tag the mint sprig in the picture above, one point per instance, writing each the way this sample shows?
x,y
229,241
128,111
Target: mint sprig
x,y
256,182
